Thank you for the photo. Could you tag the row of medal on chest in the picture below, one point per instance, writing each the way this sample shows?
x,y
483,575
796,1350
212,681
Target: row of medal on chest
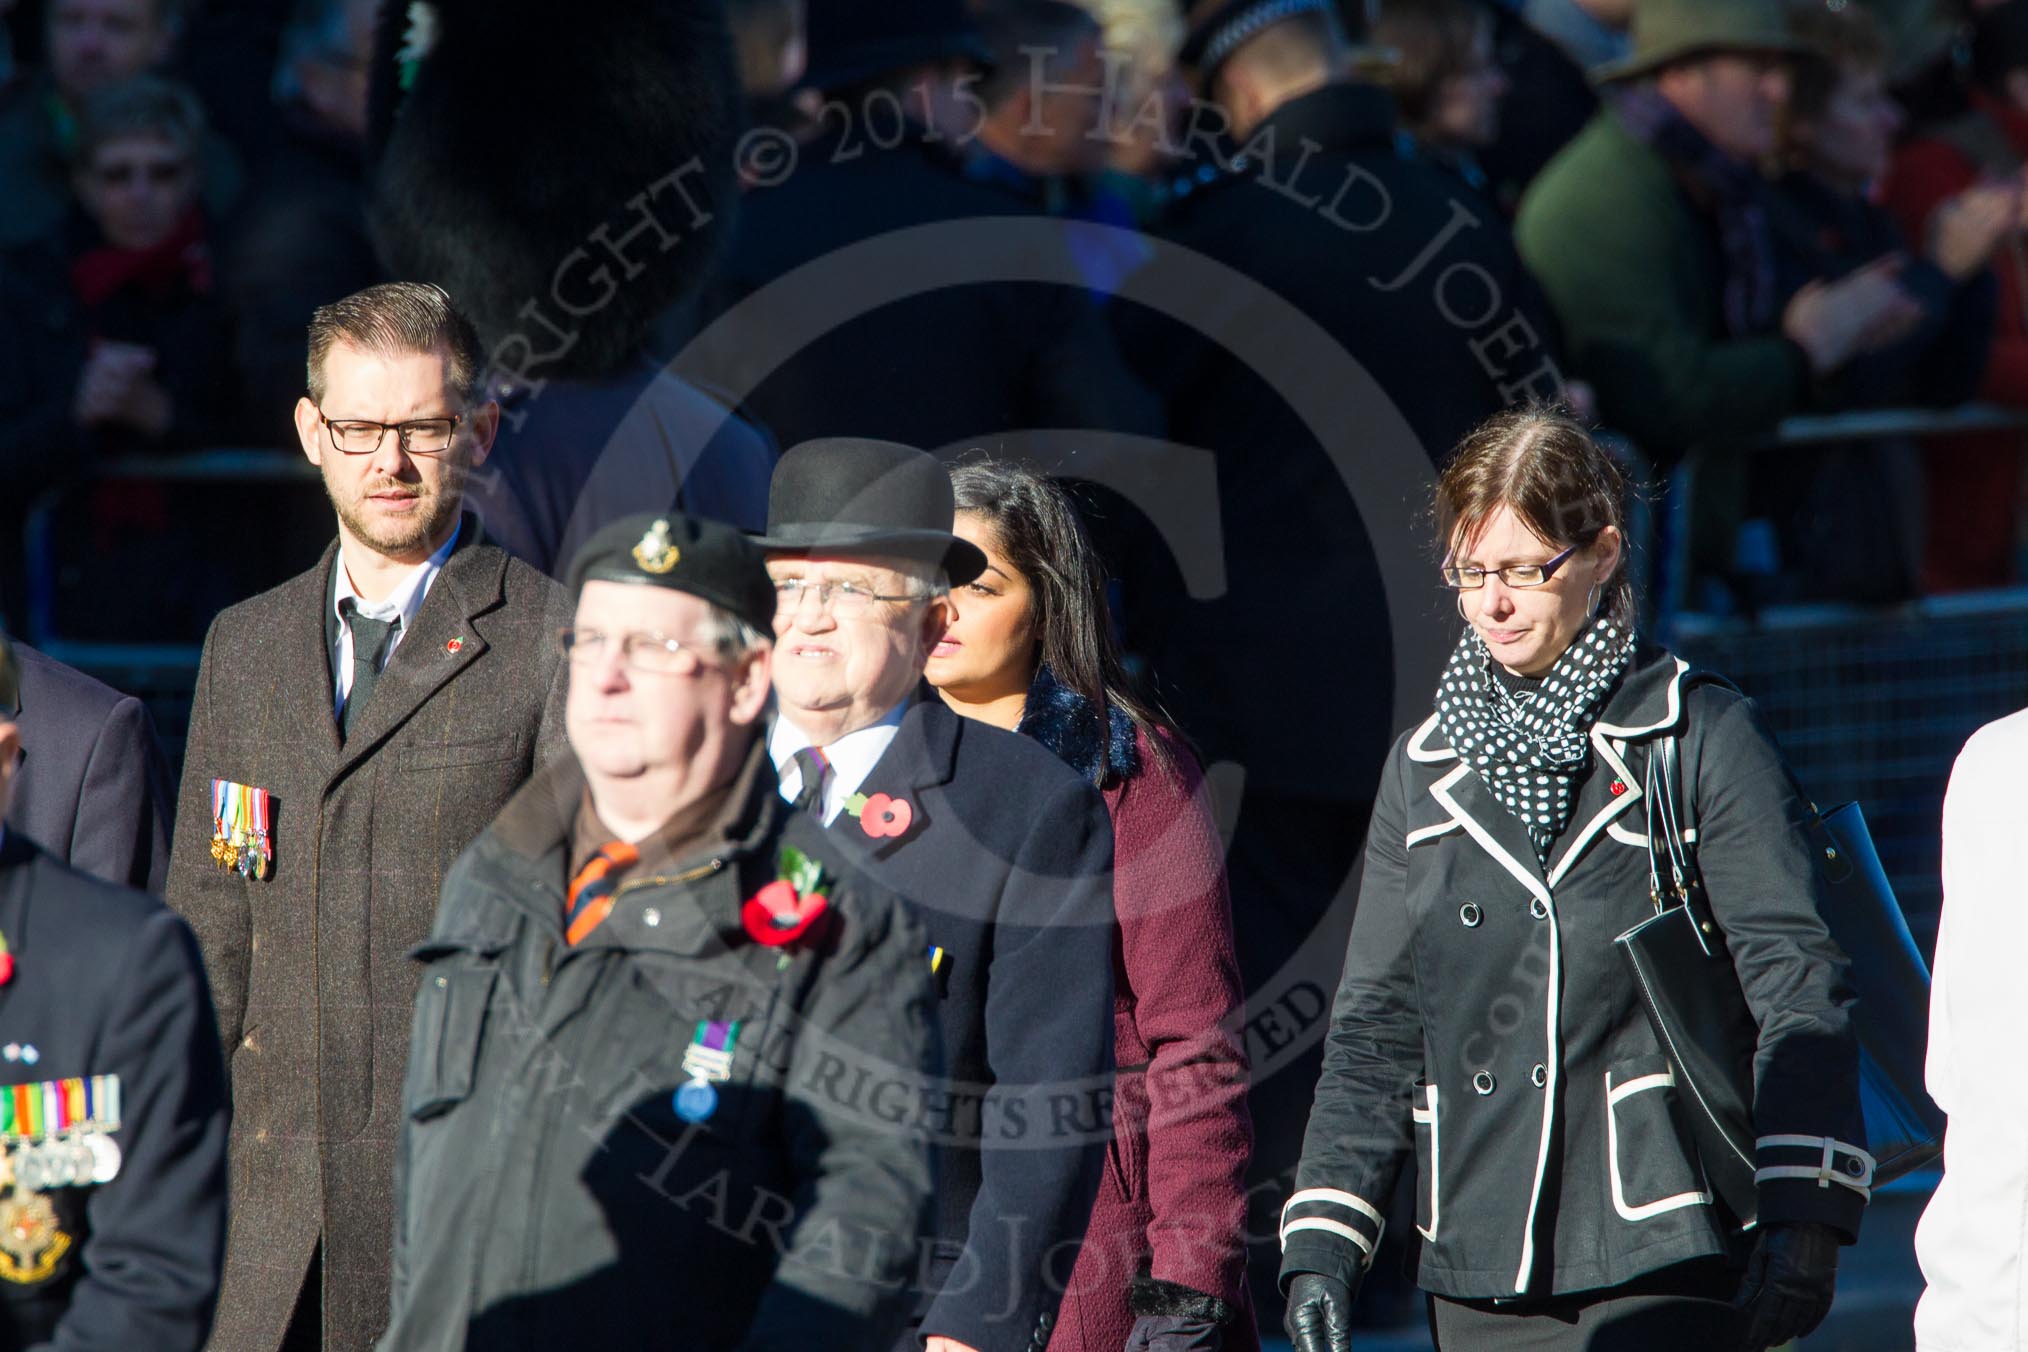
x,y
59,1133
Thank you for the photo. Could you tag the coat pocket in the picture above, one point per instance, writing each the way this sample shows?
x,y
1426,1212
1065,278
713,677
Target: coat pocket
x,y
1650,1161
450,1021
1428,1162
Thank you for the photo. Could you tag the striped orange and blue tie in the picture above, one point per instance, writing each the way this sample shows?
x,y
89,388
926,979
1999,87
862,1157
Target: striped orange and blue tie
x,y
590,899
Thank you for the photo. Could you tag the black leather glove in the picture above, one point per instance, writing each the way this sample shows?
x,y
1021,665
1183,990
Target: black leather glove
x,y
1789,1284
1175,1333
1320,1314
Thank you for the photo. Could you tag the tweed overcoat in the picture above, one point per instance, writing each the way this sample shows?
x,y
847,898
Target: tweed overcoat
x,y
1487,1030
310,966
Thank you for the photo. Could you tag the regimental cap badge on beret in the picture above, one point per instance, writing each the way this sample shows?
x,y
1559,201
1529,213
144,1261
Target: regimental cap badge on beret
x,y
657,553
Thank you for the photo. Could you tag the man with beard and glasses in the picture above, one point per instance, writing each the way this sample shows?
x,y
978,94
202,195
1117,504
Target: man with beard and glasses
x,y
354,729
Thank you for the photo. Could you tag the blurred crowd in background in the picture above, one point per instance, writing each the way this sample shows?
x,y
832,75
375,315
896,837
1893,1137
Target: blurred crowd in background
x,y
184,181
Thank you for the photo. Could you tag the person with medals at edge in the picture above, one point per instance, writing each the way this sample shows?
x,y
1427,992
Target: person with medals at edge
x,y
668,1030
1030,647
352,731
1001,850
1488,1035
112,1105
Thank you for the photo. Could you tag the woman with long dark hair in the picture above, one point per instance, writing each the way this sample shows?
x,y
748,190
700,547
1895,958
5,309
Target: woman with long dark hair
x,y
1030,648
1487,1029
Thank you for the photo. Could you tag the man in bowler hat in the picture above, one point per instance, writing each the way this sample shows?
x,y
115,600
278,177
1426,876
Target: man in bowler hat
x,y
1001,850
353,730
622,1126
112,1104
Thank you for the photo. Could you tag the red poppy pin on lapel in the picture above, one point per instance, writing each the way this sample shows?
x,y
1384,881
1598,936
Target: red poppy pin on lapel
x,y
1619,787
784,910
880,815
455,646
6,961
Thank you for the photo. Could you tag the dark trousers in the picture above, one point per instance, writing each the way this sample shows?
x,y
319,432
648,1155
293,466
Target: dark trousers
x,y
1686,1308
306,1325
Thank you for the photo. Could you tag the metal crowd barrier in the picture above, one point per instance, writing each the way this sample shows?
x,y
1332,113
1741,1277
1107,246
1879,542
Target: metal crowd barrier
x,y
228,511
1670,534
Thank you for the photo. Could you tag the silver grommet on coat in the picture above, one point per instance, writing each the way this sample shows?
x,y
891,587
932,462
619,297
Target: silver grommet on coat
x,y
1540,1075
651,917
1538,910
1469,915
1483,1082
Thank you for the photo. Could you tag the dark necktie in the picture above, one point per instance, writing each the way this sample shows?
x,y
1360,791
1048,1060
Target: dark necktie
x,y
369,651
810,797
590,898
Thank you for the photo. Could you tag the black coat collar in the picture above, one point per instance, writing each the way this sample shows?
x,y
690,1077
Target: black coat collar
x,y
1343,116
1648,702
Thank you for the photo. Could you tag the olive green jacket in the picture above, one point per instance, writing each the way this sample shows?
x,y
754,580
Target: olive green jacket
x,y
1634,273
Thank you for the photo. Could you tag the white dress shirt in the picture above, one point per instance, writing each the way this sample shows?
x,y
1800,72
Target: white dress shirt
x,y
402,603
1972,1242
852,758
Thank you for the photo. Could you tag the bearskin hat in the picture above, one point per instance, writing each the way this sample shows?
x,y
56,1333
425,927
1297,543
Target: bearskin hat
x,y
577,158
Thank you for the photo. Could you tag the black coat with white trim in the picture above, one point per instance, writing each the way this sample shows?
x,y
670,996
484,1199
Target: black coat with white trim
x,y
1487,1028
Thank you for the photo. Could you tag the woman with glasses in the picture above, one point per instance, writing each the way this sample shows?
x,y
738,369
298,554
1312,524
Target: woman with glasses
x,y
1030,647
1487,1030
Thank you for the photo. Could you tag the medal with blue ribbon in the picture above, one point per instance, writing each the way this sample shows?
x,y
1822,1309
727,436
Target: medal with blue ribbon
x,y
708,1061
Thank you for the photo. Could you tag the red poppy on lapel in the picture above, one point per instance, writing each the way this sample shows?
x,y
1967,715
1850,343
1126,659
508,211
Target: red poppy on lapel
x,y
455,646
881,816
783,911
6,961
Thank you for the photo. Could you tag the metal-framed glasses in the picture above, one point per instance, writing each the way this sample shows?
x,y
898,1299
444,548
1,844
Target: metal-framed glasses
x,y
1513,575
421,436
641,649
846,600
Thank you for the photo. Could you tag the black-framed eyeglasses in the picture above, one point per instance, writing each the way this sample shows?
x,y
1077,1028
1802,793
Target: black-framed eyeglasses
x,y
642,649
1513,575
846,599
420,436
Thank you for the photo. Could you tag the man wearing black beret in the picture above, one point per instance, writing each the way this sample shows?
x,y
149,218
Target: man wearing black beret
x,y
622,1125
1001,849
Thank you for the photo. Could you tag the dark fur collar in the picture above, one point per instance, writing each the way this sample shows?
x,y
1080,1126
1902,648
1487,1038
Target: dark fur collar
x,y
1065,722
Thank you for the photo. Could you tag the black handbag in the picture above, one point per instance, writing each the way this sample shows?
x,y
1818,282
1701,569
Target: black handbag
x,y
1692,996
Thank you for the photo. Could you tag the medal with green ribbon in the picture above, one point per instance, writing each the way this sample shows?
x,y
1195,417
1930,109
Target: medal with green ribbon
x,y
707,1060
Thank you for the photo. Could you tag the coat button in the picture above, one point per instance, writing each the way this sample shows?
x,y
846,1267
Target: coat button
x,y
651,917
1538,910
1469,915
1483,1082
1540,1075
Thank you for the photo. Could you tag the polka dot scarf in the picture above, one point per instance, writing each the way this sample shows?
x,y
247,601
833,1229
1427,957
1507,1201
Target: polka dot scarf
x,y
1531,748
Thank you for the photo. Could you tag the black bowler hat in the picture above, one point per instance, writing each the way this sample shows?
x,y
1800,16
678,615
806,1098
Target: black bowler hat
x,y
853,41
854,496
708,559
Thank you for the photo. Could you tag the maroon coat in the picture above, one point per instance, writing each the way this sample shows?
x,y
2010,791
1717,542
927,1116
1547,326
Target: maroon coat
x,y
1172,1201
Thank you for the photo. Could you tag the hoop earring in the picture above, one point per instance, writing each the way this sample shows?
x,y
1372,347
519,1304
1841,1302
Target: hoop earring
x,y
1591,602
1461,608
